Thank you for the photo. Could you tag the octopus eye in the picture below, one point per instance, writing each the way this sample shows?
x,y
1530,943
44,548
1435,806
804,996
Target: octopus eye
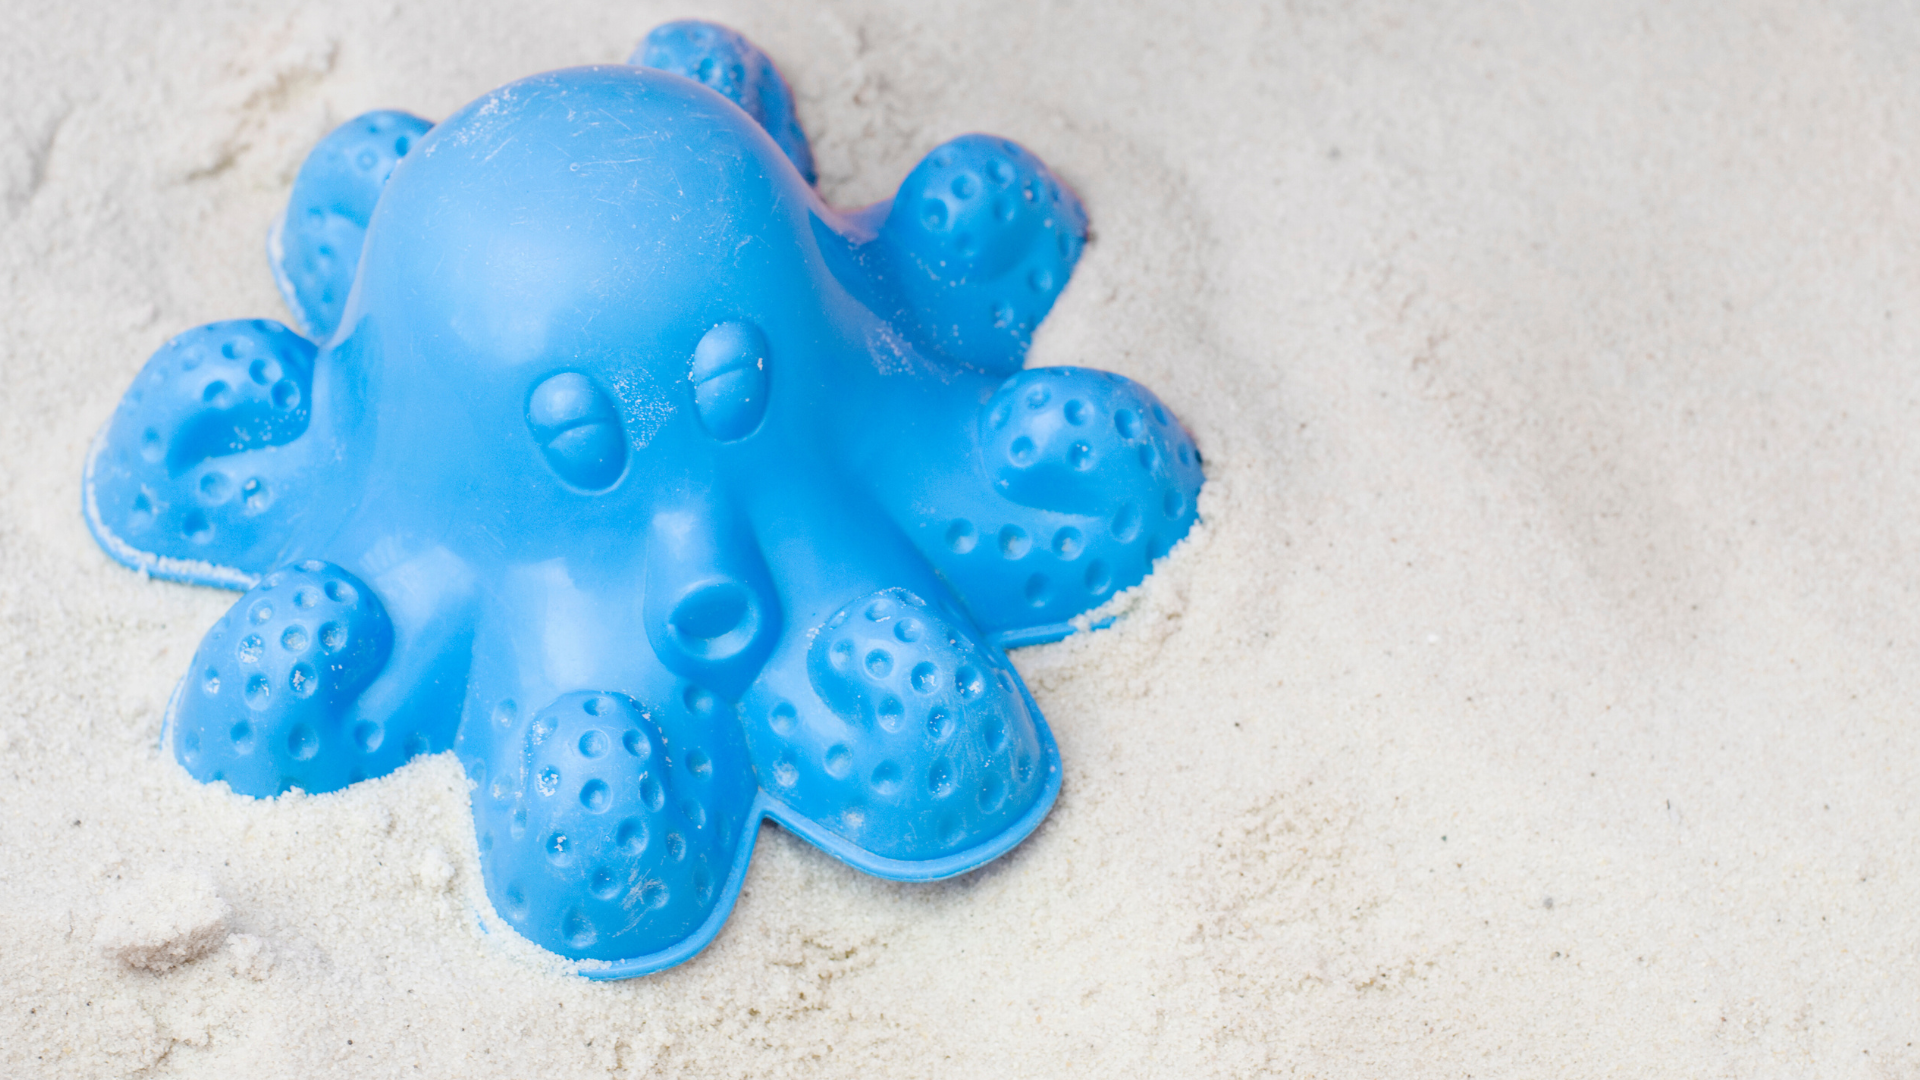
x,y
729,376
578,431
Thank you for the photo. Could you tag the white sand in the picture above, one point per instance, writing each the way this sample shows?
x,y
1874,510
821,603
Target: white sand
x,y
1539,700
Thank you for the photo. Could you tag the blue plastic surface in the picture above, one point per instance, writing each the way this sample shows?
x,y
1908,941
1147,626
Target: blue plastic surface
x,y
666,495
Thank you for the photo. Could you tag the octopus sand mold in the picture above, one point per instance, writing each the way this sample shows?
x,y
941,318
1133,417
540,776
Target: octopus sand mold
x,y
610,457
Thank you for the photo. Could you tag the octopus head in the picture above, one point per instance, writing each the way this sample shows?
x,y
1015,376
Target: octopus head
x,y
597,258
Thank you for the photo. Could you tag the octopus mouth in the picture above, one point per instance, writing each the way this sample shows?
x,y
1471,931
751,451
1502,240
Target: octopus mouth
x,y
716,620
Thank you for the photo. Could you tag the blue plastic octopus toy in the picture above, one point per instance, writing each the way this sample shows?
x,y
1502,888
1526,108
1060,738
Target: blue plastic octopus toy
x,y
610,457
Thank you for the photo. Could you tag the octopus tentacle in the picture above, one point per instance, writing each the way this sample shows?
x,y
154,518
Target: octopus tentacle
x,y
1060,490
314,245
727,63
203,471
613,801
891,733
968,256
609,831
265,705
321,676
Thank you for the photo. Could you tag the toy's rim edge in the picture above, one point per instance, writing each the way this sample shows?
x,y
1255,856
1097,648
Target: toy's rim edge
x,y
1045,635
946,866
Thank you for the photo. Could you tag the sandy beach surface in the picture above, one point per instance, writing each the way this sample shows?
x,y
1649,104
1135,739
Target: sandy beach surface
x,y
1539,698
